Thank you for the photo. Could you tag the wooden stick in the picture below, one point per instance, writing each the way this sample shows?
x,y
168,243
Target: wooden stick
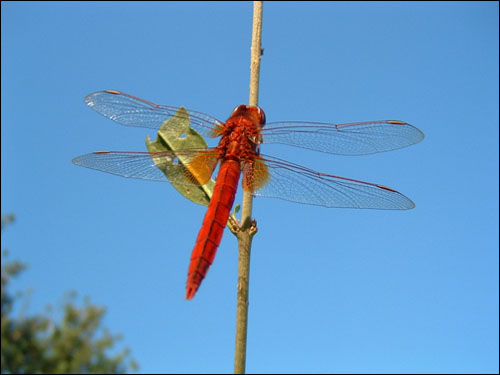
x,y
248,228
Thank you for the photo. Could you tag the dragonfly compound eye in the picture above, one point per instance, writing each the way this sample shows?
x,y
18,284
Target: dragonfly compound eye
x,y
262,116
238,110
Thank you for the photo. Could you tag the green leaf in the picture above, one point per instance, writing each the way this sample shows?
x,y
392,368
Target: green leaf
x,y
175,134
236,209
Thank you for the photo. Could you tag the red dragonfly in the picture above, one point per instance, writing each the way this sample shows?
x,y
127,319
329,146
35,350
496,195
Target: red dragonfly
x,y
238,153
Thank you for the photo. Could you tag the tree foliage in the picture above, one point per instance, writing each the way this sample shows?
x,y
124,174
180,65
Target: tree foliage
x,y
39,344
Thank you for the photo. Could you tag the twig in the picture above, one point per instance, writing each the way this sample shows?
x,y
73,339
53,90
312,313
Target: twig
x,y
248,227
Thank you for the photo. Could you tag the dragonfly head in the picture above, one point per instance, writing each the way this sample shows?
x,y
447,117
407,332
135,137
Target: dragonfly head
x,y
256,114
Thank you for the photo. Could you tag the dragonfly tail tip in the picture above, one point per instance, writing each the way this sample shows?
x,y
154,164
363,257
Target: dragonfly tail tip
x,y
190,292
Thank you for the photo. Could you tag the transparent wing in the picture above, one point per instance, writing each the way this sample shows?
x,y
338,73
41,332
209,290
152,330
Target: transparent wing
x,y
154,166
276,178
132,111
358,138
279,179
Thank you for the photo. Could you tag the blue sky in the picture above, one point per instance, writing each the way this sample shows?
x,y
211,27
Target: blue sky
x,y
332,290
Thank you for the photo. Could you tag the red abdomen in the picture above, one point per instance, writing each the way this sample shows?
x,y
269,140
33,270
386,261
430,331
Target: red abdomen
x,y
213,225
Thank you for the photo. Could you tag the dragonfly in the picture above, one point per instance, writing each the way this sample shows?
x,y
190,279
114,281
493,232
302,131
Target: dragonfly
x,y
238,155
